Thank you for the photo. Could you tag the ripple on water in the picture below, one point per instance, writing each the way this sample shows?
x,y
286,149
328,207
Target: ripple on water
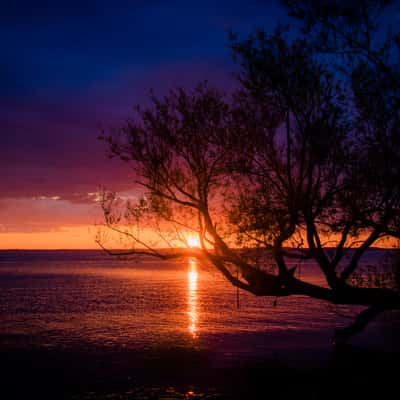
x,y
73,298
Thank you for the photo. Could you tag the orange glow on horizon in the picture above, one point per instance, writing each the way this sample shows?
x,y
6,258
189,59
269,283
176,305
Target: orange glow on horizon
x,y
83,237
68,238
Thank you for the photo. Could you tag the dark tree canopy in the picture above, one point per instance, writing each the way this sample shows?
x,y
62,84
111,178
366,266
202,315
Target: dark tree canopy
x,y
303,161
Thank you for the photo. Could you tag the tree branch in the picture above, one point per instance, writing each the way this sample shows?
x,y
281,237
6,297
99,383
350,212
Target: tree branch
x,y
341,336
357,256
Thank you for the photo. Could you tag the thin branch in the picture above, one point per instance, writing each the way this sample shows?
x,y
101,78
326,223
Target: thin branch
x,y
353,264
134,238
343,335
339,249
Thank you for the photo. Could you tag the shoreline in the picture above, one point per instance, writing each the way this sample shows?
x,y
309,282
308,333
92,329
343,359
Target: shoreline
x,y
176,373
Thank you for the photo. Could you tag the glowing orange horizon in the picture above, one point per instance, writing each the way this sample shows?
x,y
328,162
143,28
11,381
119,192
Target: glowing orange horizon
x,y
83,237
65,238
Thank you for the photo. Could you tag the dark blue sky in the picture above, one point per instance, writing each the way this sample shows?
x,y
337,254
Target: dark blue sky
x,y
50,47
72,68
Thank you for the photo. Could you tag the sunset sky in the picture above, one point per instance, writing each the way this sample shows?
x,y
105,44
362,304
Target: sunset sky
x,y
71,69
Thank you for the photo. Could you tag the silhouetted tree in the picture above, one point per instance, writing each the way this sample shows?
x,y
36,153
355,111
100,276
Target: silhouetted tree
x,y
302,162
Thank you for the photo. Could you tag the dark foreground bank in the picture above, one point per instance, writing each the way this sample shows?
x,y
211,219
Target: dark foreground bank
x,y
181,373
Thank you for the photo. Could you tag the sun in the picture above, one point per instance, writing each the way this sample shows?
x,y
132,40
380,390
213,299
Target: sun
x,y
193,241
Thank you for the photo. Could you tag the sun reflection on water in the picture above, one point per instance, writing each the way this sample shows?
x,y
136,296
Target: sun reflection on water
x,y
192,298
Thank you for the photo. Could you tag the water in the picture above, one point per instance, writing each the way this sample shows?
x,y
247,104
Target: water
x,y
62,299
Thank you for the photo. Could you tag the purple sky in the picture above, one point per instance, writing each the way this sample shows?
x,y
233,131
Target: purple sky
x,y
72,68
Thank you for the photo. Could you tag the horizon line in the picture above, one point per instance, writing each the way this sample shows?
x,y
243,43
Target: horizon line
x,y
170,248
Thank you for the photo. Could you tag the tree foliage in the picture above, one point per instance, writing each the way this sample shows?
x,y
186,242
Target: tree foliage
x,y
303,161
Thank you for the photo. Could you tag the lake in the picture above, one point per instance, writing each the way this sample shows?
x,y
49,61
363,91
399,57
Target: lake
x,y
64,298
86,302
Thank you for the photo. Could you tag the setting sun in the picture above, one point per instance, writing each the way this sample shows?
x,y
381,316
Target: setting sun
x,y
193,241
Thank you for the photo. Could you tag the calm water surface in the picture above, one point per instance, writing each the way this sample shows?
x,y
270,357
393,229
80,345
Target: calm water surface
x,y
68,298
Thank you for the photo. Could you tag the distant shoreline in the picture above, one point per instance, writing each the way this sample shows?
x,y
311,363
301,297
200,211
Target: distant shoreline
x,y
377,248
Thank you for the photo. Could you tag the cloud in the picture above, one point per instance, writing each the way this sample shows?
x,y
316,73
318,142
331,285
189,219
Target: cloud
x,y
43,214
